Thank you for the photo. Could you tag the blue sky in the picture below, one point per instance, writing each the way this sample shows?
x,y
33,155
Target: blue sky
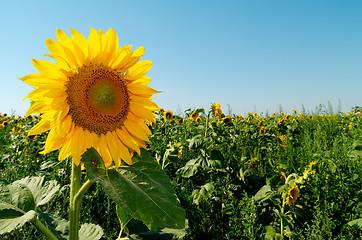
x,y
248,55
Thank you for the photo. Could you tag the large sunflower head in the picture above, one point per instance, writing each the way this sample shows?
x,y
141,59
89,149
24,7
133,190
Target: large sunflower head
x,y
96,95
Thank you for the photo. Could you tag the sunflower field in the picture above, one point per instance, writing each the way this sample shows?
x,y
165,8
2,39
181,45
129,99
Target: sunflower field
x,y
283,176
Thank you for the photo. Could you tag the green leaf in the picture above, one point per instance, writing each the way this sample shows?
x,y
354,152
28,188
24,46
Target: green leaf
x,y
123,218
21,196
357,145
9,224
357,223
164,234
196,142
90,231
19,199
270,233
143,190
202,194
264,193
190,169
58,225
42,191
16,205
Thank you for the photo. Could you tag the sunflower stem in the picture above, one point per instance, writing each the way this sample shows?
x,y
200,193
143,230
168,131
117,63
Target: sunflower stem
x,y
74,202
43,229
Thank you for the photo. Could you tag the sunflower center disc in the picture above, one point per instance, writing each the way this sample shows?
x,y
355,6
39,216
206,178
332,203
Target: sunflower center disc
x,y
98,99
103,95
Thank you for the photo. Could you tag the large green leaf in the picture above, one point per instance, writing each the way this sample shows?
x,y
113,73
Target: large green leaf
x,y
357,223
143,190
191,168
42,191
18,200
60,227
16,206
9,224
90,231
21,196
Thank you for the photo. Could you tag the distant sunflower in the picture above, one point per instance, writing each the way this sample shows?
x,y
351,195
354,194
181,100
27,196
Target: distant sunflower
x,y
311,165
96,95
293,194
198,120
193,116
168,115
216,109
227,120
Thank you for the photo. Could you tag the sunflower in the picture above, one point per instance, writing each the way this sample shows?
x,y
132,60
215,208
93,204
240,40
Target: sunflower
x,y
227,120
311,165
216,109
198,120
96,95
293,194
168,116
193,116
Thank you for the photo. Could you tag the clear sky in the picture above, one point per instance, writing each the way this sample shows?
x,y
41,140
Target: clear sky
x,y
251,55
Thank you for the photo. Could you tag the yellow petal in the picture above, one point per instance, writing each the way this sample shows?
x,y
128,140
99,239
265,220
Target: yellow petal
x,y
141,111
80,41
53,142
146,102
113,143
137,140
39,80
104,151
138,70
141,90
135,130
144,80
93,44
126,140
49,69
63,39
42,126
64,126
64,151
136,56
125,155
37,107
63,64
77,145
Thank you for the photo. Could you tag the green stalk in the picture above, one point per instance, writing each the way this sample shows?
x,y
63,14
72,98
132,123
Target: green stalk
x,y
43,229
74,203
281,219
82,191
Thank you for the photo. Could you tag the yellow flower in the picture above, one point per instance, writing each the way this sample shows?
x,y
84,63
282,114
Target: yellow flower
x,y
227,120
262,130
179,152
284,141
96,95
216,109
193,116
198,120
311,165
293,194
168,115
16,130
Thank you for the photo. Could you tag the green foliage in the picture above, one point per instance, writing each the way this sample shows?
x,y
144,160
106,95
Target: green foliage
x,y
230,178
143,190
